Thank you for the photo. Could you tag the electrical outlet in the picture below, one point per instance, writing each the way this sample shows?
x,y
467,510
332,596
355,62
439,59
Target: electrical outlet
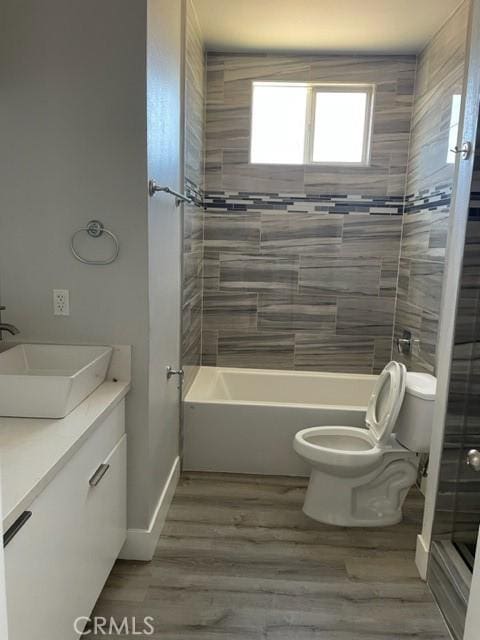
x,y
61,302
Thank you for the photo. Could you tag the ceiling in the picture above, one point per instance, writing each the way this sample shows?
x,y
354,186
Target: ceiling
x,y
364,26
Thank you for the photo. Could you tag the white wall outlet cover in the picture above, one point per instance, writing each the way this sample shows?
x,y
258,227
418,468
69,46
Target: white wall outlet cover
x,y
61,302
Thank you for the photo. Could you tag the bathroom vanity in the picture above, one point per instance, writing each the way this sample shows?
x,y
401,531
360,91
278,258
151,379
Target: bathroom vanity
x,y
64,512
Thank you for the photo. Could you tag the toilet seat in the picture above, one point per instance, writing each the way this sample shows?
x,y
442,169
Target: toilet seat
x,y
339,447
354,448
386,401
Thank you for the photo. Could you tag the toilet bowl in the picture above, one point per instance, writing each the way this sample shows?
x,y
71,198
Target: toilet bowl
x,y
361,476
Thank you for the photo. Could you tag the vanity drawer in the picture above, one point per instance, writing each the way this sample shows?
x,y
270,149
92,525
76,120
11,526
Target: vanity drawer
x,y
58,561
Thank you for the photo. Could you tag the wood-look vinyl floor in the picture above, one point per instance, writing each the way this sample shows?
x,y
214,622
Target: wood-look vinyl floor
x,y
238,560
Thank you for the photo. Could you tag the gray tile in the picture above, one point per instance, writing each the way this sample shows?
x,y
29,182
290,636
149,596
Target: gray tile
x,y
231,232
192,329
228,126
238,174
425,286
403,279
294,312
193,228
439,75
297,233
195,73
193,216
192,275
260,351
437,241
365,316
363,180
340,275
324,352
409,317
382,353
258,273
211,270
389,278
416,234
209,347
372,236
213,168
230,310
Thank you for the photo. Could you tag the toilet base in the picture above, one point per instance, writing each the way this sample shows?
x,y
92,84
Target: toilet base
x,y
372,500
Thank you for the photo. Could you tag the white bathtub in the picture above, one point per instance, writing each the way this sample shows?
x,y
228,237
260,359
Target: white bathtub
x,y
244,420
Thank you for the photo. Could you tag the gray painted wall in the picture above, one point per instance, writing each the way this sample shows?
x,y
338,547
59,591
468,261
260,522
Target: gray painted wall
x,y
165,159
73,119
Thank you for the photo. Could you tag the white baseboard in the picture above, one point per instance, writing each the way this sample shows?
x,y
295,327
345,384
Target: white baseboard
x,y
421,557
140,543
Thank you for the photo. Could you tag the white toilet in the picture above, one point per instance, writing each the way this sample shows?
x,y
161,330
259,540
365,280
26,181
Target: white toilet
x,y
360,477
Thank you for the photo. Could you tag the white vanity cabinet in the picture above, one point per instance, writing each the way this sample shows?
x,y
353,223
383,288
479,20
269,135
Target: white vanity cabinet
x,y
58,561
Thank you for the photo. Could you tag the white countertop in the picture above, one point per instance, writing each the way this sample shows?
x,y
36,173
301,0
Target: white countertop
x,y
32,451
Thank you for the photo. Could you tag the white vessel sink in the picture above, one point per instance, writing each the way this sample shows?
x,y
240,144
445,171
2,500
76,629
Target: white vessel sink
x,y
48,381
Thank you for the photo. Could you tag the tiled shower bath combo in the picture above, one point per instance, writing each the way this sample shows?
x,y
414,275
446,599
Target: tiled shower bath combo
x,y
316,267
300,262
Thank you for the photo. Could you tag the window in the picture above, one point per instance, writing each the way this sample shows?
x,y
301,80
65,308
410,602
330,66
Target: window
x,y
454,123
296,123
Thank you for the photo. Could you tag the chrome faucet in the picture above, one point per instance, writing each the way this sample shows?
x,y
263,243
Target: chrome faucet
x,y
9,328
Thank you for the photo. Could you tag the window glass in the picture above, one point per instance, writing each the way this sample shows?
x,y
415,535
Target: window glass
x,y
340,121
296,123
454,123
278,124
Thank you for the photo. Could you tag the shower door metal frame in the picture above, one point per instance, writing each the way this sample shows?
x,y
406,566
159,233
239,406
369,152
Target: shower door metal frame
x,y
451,286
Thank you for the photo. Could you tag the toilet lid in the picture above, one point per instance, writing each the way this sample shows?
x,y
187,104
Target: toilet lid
x,y
386,400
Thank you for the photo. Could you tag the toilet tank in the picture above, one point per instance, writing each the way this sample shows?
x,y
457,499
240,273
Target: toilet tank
x,y
414,425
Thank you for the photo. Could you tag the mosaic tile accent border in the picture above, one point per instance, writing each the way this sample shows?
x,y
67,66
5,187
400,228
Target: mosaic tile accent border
x,y
435,199
222,201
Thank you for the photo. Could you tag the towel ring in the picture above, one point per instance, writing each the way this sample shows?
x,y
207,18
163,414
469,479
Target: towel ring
x,y
95,229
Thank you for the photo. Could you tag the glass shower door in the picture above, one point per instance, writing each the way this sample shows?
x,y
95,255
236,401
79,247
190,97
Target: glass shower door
x,y
466,519
457,511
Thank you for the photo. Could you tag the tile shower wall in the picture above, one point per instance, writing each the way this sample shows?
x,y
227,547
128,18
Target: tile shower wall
x,y
229,89
194,182
429,186
300,262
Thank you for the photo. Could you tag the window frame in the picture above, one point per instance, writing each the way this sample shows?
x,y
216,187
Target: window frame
x,y
322,87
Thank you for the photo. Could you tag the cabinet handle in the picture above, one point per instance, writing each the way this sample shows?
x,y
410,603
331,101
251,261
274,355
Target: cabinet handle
x,y
98,475
12,531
